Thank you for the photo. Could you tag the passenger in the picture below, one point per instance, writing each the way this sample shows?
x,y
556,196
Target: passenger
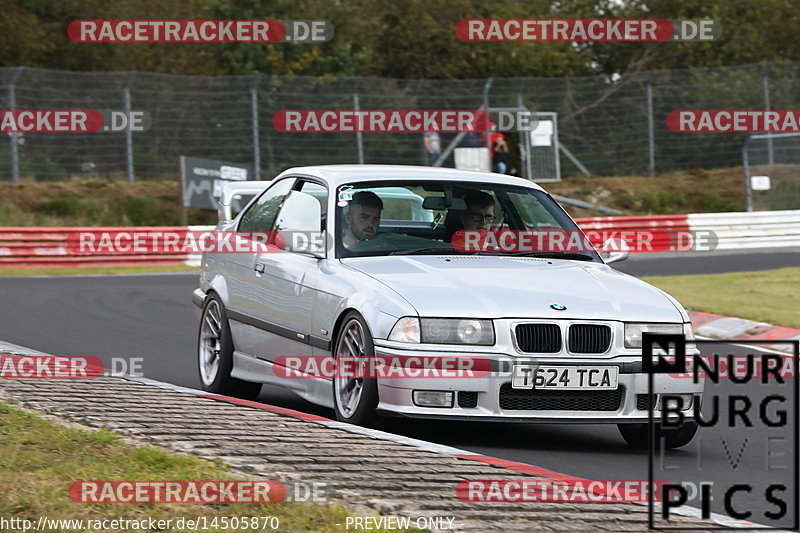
x,y
363,218
480,211
478,216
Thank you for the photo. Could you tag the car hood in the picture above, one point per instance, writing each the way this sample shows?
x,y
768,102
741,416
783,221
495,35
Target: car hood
x,y
517,287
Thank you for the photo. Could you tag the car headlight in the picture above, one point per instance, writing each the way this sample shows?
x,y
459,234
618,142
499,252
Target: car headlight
x,y
444,331
634,330
405,330
688,332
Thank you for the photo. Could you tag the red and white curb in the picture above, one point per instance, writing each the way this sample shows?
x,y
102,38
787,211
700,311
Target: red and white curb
x,y
442,449
739,329
433,447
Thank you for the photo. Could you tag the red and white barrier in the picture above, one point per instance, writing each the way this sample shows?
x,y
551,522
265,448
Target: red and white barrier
x,y
660,229
760,229
46,247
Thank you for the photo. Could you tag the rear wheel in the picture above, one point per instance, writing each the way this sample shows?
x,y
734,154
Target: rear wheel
x,y
674,437
355,398
215,354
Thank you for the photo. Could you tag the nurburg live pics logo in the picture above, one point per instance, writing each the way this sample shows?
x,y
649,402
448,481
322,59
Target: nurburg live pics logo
x,y
746,412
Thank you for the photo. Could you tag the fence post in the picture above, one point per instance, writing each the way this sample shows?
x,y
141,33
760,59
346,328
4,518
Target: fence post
x,y
770,153
254,118
12,137
488,131
651,138
129,130
748,193
359,137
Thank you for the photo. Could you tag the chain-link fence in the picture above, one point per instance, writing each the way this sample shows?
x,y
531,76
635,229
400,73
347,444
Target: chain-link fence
x,y
772,171
610,126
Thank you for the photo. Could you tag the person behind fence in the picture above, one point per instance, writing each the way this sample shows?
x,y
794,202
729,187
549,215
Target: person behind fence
x,y
499,149
433,146
363,218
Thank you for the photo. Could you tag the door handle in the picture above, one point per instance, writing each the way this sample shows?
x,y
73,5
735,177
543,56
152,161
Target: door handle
x,y
259,268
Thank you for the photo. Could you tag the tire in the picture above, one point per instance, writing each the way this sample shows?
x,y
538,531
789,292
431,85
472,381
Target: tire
x,y
636,434
355,399
215,354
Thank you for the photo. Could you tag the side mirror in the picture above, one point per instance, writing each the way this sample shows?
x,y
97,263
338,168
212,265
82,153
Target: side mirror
x,y
311,243
615,250
298,223
236,203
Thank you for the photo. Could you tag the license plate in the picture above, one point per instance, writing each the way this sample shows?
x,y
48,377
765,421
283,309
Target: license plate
x,y
565,377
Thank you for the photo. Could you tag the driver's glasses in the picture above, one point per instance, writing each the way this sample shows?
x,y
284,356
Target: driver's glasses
x,y
478,218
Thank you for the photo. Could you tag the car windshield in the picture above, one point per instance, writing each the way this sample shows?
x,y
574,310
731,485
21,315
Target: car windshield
x,y
448,217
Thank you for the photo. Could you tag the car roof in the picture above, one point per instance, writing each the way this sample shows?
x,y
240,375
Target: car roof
x,y
236,186
232,188
339,174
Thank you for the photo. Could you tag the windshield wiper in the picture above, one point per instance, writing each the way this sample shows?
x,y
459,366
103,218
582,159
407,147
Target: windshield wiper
x,y
431,250
553,255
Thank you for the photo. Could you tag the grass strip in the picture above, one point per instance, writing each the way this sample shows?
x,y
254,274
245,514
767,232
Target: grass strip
x,y
771,296
40,459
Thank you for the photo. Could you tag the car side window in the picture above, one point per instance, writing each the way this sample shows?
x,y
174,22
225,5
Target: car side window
x,y
261,215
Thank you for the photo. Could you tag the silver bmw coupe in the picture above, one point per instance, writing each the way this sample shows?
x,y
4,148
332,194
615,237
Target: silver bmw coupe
x,y
377,277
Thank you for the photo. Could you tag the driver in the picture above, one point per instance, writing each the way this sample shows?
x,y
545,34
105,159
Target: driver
x,y
363,218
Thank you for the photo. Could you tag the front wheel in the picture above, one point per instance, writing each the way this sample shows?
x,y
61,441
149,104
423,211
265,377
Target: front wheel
x,y
674,437
215,354
355,398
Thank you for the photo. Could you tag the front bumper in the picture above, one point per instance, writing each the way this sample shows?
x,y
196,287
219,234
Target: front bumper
x,y
491,397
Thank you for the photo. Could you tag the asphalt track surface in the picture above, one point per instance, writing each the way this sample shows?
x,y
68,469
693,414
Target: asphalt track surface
x,y
151,317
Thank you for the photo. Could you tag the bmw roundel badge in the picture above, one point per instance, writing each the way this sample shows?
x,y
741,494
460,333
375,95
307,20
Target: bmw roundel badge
x,y
558,307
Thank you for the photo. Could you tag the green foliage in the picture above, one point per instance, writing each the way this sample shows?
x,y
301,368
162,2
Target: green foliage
x,y
403,39
71,206
144,211
713,202
651,203
661,202
785,194
12,215
43,167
